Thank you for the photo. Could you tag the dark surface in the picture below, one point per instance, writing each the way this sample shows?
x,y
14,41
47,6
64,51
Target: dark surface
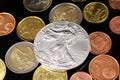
x,y
16,8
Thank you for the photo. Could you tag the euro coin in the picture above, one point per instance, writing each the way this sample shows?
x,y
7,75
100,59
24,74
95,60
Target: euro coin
x,y
95,12
28,27
42,73
20,57
37,5
2,69
66,12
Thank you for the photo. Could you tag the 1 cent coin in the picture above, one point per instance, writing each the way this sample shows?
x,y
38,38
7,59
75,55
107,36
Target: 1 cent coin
x,y
28,27
104,67
81,76
100,42
2,69
95,12
7,23
115,25
115,4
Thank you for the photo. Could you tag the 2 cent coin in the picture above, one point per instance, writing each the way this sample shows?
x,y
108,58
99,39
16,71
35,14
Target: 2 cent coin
x,y
115,25
100,42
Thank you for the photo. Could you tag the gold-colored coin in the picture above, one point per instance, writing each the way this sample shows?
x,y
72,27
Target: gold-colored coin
x,y
2,70
66,12
95,12
78,0
28,27
37,5
43,73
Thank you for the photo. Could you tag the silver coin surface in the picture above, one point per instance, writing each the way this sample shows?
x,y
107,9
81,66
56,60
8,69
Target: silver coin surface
x,y
20,57
37,5
62,45
66,12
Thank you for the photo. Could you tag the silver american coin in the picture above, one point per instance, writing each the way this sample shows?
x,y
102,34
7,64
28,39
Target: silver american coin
x,y
62,45
66,12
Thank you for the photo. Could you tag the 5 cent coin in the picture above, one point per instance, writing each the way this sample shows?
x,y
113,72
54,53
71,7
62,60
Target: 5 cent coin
x,y
104,67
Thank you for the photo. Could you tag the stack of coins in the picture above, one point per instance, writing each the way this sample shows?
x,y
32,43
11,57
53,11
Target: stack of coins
x,y
66,40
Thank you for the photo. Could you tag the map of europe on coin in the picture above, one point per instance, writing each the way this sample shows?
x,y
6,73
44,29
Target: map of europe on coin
x,y
62,45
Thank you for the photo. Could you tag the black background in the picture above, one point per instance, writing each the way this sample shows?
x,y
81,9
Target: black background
x,y
16,8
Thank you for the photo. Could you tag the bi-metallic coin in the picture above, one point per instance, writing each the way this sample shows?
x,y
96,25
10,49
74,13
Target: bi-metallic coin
x,y
66,12
37,5
20,57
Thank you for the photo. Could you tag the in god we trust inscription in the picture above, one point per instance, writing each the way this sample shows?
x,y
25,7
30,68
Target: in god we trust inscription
x,y
62,45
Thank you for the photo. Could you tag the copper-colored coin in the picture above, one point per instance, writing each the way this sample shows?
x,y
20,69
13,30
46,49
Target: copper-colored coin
x,y
81,76
115,4
104,67
100,42
7,23
115,25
